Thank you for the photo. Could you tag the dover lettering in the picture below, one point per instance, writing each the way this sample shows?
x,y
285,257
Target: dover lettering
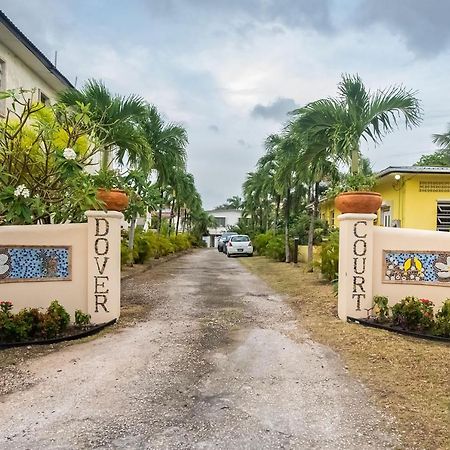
x,y
101,248
359,262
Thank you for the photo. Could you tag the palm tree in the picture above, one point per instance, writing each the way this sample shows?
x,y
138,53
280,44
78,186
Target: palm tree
x,y
357,114
168,142
118,116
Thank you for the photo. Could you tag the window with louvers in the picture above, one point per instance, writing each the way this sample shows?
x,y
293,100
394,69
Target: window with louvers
x,y
443,216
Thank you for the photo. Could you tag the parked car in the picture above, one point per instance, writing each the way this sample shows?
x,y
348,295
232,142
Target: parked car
x,y
239,245
223,240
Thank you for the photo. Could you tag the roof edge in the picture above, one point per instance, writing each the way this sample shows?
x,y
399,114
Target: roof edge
x,y
4,19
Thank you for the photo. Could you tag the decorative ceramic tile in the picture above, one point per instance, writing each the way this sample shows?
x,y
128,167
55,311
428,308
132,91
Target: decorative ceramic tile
x,y
416,267
34,264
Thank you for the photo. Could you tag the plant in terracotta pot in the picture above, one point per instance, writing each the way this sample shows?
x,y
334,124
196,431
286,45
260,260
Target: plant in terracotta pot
x,y
354,194
335,127
110,190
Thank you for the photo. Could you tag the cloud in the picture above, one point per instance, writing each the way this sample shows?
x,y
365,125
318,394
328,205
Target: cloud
x,y
277,110
214,128
423,25
244,143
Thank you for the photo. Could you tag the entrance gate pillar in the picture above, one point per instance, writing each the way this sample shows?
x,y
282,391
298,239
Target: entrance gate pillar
x,y
355,264
103,265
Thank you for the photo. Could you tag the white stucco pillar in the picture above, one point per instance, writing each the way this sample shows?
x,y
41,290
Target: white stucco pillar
x,y
355,264
103,265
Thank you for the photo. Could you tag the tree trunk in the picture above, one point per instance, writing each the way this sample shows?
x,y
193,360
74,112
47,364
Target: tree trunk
x,y
178,219
311,227
161,201
185,219
286,225
172,209
131,234
355,160
277,212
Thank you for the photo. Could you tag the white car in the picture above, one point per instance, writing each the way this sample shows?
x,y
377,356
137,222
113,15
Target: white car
x,y
239,245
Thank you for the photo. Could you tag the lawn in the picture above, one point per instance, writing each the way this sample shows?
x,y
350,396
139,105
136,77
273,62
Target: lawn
x,y
407,376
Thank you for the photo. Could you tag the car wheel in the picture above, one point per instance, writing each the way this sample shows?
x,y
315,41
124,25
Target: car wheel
x,y
229,256
250,254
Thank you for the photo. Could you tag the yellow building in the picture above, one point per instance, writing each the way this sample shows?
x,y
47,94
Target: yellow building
x,y
413,197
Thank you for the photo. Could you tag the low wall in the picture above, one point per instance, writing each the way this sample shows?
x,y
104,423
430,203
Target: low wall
x,y
303,253
76,264
392,262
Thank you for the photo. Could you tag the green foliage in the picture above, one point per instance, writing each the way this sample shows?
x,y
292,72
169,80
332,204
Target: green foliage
x,y
180,242
330,256
442,326
261,241
43,153
381,308
413,314
151,244
30,323
276,248
440,158
82,319
58,313
352,182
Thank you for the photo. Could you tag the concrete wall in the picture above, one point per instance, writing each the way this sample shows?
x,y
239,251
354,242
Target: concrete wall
x,y
19,75
94,287
362,264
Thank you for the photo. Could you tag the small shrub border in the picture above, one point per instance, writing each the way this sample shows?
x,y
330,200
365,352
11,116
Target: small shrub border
x,y
412,315
30,324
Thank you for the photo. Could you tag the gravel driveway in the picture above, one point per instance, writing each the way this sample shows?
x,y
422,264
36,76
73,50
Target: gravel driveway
x,y
220,362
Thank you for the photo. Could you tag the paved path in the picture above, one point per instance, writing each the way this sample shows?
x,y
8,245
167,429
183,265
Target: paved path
x,y
220,363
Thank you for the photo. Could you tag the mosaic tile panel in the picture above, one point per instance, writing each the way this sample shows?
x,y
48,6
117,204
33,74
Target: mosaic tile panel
x,y
34,264
416,267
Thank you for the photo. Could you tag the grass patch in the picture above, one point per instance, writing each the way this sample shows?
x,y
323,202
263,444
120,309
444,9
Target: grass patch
x,y
407,376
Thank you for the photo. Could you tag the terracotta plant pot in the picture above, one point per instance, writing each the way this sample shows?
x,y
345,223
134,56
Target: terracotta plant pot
x,y
114,199
358,202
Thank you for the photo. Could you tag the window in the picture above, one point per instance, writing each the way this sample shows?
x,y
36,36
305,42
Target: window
x,y
2,87
43,98
220,221
386,216
443,216
239,239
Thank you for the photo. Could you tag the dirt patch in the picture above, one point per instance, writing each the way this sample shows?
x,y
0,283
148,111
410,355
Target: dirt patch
x,y
408,377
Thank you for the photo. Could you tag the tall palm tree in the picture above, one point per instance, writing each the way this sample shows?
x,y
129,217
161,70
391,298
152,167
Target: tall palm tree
x,y
118,116
168,142
357,114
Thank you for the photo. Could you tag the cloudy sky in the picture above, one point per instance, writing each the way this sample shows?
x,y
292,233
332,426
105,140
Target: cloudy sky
x,y
229,70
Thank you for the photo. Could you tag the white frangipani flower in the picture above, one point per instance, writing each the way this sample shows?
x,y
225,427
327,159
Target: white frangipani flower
x,y
22,191
69,153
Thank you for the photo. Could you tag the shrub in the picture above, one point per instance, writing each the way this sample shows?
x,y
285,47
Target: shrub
x,y
275,248
180,241
329,255
381,308
261,241
59,314
442,327
413,313
82,319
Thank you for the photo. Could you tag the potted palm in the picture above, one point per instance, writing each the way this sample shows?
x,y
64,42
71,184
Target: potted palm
x,y
354,194
110,190
334,127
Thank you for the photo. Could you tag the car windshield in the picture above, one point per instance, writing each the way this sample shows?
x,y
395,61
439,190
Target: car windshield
x,y
240,238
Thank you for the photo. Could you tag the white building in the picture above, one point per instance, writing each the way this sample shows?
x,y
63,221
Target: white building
x,y
23,65
225,218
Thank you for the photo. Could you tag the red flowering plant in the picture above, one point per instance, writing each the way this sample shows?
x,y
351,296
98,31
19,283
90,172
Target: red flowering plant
x,y
6,307
414,314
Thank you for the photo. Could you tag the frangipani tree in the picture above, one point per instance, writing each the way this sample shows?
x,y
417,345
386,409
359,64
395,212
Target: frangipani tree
x,y
43,153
